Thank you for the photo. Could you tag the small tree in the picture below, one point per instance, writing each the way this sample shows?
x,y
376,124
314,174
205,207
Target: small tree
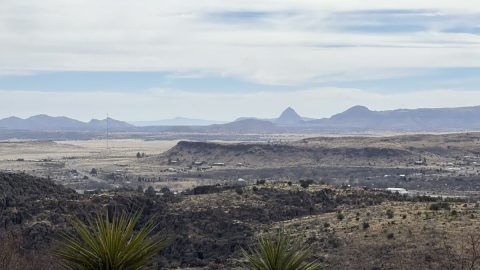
x,y
280,252
103,243
305,183
340,215
150,191
260,182
165,190
139,155
239,190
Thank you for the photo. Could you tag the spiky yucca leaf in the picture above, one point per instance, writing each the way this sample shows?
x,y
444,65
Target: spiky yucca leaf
x,y
104,244
280,252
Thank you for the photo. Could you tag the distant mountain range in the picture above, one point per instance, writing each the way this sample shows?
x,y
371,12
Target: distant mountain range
x,y
61,123
355,119
437,119
177,121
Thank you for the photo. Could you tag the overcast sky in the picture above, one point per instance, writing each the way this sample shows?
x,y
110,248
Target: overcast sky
x,y
222,59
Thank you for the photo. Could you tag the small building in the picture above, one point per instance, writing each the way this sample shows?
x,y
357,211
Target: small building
x,y
203,168
397,190
218,164
241,182
420,162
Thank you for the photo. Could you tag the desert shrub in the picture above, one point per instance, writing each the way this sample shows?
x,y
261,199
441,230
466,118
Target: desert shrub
x,y
110,243
305,183
261,182
439,205
208,189
14,256
239,190
289,183
333,242
280,252
390,235
340,215
165,190
390,213
150,191
365,225
404,216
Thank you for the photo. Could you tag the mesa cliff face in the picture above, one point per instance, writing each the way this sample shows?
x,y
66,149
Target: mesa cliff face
x,y
287,154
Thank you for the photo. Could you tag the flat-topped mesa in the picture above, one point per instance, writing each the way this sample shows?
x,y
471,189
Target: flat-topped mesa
x,y
353,112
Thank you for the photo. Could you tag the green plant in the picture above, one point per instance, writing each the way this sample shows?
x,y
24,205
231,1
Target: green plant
x,y
306,183
280,252
365,225
110,244
390,213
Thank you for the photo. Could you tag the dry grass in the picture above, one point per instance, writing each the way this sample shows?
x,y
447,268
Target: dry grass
x,y
415,237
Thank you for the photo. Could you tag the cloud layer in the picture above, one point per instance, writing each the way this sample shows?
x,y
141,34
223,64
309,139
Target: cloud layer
x,y
269,42
324,56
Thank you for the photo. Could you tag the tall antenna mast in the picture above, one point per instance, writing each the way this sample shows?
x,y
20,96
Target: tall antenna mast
x,y
107,131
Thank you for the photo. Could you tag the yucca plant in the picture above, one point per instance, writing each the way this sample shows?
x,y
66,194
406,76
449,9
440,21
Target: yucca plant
x,y
280,252
110,244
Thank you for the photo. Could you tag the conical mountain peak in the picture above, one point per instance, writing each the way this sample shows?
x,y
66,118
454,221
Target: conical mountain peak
x,y
289,117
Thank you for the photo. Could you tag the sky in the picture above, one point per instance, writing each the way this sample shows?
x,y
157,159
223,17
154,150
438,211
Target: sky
x,y
223,59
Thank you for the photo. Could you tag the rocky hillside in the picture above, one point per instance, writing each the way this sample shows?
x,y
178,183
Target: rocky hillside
x,y
23,197
349,228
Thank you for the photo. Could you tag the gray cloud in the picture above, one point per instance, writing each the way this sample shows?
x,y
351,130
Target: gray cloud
x,y
271,42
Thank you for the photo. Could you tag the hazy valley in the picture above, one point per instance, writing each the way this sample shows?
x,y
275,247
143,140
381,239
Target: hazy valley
x,y
217,195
